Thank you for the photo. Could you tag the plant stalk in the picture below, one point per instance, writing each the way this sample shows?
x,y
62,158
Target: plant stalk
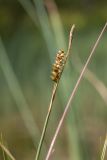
x,y
52,98
46,121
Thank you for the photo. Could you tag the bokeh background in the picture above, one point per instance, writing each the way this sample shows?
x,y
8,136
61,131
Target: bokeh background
x,y
31,32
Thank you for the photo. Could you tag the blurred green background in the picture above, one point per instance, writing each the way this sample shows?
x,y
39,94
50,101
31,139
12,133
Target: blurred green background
x,y
31,32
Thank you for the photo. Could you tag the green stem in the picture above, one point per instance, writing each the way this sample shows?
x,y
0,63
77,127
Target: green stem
x,y
46,121
53,97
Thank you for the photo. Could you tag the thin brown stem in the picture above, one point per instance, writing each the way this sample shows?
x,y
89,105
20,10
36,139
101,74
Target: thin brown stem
x,y
73,94
92,78
69,44
7,152
70,40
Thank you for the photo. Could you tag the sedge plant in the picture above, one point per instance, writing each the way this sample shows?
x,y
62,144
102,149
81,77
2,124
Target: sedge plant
x,y
55,86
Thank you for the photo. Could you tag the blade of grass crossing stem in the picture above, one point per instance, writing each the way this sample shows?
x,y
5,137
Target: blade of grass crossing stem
x,y
73,93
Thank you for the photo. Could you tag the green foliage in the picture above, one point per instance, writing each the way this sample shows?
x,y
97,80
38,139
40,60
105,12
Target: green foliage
x,y
31,61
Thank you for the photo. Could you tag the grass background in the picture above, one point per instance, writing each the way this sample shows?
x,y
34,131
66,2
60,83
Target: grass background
x,y
30,43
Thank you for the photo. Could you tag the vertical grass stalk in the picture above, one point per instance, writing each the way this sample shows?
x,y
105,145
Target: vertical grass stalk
x,y
52,99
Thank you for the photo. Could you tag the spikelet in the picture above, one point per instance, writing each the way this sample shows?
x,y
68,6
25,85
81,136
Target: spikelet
x,y
58,66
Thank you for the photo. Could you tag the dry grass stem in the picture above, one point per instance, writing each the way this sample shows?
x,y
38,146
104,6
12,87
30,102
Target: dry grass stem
x,y
104,149
2,149
69,45
93,79
72,94
7,151
52,98
70,40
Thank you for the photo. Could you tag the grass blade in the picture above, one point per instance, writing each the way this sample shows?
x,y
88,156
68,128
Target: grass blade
x,y
17,94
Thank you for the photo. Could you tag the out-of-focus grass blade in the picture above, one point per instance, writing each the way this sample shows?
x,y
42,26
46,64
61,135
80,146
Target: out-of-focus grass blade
x,y
17,94
74,148
43,20
56,24
28,6
45,25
